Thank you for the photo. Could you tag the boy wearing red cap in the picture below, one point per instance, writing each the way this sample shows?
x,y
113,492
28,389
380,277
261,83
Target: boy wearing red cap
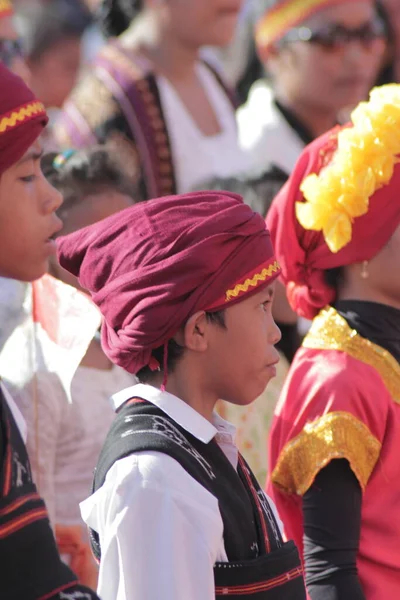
x,y
31,566
185,287
336,432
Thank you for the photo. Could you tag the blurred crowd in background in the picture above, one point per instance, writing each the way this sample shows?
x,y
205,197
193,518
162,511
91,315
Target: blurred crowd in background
x,y
148,98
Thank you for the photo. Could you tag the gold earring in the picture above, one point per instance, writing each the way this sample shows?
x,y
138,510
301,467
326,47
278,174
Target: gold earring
x,y
364,270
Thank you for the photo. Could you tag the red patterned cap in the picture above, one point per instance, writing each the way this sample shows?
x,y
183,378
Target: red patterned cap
x,y
22,118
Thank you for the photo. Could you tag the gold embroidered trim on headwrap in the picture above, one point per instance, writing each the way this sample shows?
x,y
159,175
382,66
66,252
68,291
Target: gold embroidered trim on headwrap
x,y
18,115
330,331
253,281
332,436
363,163
5,8
275,23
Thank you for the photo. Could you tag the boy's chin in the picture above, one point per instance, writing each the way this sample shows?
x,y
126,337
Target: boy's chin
x,y
248,398
25,273
34,273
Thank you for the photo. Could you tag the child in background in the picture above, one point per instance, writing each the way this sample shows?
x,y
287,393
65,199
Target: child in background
x,y
93,187
51,35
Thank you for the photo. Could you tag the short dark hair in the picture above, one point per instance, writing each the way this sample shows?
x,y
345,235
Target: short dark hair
x,y
44,25
115,16
175,351
257,190
85,172
335,277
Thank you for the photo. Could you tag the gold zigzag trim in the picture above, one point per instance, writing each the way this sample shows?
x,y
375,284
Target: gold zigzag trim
x,y
20,115
243,287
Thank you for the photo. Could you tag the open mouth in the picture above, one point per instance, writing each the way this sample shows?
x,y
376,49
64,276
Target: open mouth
x,y
56,231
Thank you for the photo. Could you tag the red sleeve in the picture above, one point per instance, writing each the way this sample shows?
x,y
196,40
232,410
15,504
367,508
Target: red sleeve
x,y
332,406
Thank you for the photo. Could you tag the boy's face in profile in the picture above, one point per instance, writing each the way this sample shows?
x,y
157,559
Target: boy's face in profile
x,y
242,355
27,218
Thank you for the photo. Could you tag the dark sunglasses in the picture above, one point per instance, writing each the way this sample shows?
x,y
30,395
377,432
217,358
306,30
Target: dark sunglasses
x,y
336,37
10,50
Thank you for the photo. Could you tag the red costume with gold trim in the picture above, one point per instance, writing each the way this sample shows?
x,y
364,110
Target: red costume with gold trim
x,y
341,400
342,395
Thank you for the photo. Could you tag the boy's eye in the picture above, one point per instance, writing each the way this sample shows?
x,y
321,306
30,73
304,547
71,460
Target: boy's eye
x,y
28,178
265,304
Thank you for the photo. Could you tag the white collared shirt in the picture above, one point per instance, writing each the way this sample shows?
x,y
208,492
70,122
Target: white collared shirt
x,y
216,155
160,531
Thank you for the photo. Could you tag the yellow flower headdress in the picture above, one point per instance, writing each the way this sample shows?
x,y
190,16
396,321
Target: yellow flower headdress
x,y
5,8
363,163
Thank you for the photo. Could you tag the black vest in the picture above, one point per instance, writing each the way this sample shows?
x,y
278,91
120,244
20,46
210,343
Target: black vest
x,y
265,567
30,565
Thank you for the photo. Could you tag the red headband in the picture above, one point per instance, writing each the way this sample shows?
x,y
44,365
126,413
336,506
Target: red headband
x,y
22,118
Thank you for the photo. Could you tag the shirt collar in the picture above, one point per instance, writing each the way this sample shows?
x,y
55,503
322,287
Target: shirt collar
x,y
183,414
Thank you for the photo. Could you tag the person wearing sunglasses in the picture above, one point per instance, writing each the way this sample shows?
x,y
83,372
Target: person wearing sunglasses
x,y
322,58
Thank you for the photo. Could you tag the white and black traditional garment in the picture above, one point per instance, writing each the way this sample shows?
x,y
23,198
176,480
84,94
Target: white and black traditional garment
x,y
267,133
176,512
31,568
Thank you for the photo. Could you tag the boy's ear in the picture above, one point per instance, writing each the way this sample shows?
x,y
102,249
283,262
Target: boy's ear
x,y
193,335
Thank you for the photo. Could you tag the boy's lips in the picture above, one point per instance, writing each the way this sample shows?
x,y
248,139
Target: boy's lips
x,y
272,367
56,229
50,242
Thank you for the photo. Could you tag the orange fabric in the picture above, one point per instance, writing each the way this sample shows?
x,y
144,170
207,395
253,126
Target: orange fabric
x,y
71,543
6,8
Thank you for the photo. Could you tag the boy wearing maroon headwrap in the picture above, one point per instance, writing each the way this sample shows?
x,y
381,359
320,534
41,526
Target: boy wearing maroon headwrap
x,y
31,568
185,287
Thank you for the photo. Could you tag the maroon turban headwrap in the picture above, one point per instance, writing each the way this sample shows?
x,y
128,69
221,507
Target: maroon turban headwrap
x,y
22,118
303,254
151,266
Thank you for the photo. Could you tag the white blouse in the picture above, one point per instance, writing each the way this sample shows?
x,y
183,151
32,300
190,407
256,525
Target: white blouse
x,y
198,157
83,428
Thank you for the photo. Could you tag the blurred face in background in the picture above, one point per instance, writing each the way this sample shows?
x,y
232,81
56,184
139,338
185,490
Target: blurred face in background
x,y
393,9
200,22
331,61
11,53
55,71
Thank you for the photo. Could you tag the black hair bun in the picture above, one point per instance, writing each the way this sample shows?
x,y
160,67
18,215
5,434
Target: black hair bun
x,y
115,16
